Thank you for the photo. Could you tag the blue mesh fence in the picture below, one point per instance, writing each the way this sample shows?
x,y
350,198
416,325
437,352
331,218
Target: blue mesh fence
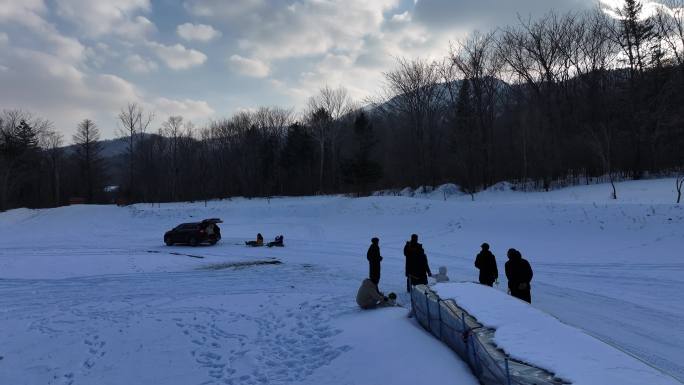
x,y
473,342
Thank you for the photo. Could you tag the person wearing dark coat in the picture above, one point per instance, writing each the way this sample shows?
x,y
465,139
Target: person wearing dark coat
x,y
519,274
417,268
374,258
486,263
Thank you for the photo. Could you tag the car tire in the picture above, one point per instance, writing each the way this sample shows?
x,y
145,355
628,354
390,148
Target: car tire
x,y
213,242
193,242
168,241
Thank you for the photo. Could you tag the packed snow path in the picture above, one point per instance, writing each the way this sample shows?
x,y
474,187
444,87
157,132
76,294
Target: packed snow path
x,y
89,294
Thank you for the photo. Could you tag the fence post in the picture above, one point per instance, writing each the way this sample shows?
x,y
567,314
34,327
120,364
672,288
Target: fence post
x,y
508,372
439,313
427,310
412,302
476,360
464,333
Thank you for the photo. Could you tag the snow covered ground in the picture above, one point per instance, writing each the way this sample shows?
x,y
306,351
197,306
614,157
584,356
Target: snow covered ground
x,y
89,294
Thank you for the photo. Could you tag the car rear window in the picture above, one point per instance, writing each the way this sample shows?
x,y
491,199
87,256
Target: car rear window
x,y
187,226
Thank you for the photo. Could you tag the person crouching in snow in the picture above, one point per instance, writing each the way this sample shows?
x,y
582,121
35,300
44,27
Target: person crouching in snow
x,y
369,297
442,275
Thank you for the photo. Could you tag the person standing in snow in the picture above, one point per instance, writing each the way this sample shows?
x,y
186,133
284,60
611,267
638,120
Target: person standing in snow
x,y
417,269
374,258
519,274
369,297
486,263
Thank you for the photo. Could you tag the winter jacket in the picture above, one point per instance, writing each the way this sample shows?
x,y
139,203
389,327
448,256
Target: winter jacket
x,y
416,262
368,296
374,258
519,273
486,263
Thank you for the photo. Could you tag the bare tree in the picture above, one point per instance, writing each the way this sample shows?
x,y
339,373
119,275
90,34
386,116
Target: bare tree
x,y
533,54
172,128
414,97
52,143
602,142
133,123
324,114
476,61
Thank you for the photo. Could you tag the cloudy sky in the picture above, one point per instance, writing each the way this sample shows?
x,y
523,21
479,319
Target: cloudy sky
x,y
66,60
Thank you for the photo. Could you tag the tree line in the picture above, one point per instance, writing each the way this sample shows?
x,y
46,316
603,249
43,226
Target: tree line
x,y
560,99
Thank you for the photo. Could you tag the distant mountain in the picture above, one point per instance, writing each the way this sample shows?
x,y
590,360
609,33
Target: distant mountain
x,y
444,89
110,147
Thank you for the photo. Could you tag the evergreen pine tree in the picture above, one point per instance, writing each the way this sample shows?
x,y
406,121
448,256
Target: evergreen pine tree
x,y
362,170
89,159
465,140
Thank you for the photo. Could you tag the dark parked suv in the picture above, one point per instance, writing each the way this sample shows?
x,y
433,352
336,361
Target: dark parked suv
x,y
193,234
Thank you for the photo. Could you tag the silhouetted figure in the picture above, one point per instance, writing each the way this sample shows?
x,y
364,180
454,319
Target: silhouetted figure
x,y
374,258
486,263
417,269
259,241
519,274
278,242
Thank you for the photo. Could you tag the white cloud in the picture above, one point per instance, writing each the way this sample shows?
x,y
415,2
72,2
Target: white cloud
x,y
27,12
199,32
402,17
249,67
137,28
55,89
278,30
138,64
224,9
188,108
650,8
97,18
56,77
177,57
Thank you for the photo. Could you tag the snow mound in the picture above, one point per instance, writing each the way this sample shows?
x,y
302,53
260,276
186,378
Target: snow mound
x,y
446,190
440,192
16,216
501,187
407,192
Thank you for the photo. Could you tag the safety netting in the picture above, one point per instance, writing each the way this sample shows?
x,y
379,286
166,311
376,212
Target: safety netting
x,y
474,342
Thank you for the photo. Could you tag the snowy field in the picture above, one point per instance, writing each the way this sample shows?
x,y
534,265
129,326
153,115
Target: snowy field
x,y
90,295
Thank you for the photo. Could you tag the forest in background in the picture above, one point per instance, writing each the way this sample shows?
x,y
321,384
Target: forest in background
x,y
550,101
